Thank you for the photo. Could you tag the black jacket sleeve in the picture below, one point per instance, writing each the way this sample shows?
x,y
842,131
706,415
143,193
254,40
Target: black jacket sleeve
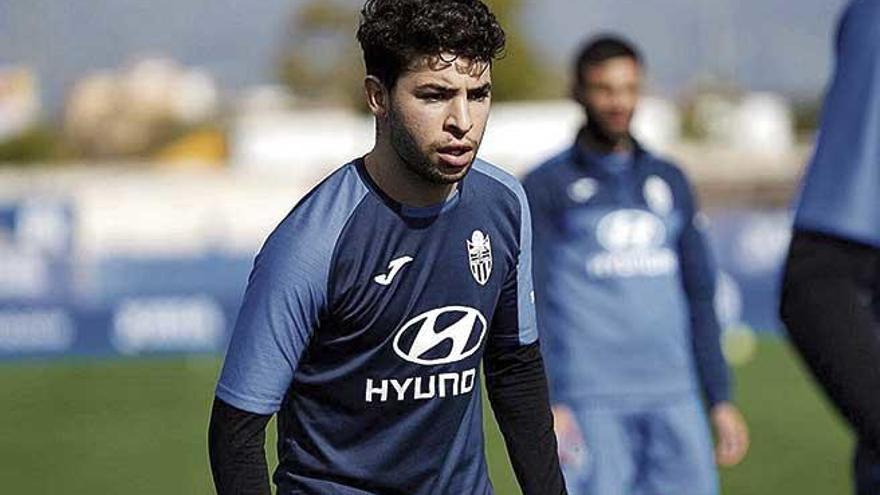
x,y
517,389
235,446
829,310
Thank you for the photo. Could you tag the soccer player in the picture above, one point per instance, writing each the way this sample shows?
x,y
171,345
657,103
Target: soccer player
x,y
625,287
372,305
832,277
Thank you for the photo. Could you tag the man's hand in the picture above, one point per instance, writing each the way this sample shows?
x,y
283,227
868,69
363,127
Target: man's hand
x,y
568,436
731,432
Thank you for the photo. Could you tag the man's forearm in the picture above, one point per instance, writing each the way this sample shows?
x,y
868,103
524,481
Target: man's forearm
x,y
708,355
699,276
235,446
827,306
517,389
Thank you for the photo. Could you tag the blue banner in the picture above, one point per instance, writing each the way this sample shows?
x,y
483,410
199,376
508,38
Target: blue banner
x,y
134,306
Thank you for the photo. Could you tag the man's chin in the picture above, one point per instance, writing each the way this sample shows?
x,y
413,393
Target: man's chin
x,y
441,177
438,171
612,133
617,135
448,174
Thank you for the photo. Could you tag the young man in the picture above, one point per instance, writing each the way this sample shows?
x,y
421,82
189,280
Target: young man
x,y
625,288
372,305
832,278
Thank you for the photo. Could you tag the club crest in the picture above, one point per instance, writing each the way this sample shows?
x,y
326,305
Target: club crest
x,y
658,195
480,256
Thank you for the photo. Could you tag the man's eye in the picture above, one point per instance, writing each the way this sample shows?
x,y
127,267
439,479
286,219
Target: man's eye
x,y
431,96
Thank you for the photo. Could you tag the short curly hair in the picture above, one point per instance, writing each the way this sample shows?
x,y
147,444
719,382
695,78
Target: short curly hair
x,y
392,33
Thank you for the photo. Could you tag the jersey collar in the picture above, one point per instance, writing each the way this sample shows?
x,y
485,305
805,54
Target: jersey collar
x,y
406,210
588,160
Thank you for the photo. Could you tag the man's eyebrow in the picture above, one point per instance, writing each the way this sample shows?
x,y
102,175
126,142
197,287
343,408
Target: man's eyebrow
x,y
435,87
485,88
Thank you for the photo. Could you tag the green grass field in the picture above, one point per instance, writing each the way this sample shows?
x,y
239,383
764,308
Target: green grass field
x,y
139,427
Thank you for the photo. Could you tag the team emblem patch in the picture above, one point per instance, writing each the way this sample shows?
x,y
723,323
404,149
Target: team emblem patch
x,y
582,190
480,256
658,195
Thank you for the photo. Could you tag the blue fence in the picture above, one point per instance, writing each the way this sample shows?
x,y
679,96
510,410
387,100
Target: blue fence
x,y
53,305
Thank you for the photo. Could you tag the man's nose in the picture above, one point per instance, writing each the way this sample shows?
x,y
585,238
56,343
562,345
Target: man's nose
x,y
459,121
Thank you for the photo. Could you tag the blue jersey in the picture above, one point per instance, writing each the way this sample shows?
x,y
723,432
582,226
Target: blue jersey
x,y
364,324
624,281
841,192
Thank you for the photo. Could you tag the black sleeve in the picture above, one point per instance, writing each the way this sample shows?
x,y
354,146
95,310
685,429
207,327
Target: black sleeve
x,y
517,389
235,445
828,308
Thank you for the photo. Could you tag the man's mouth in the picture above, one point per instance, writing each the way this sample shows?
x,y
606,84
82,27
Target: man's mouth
x,y
456,156
619,119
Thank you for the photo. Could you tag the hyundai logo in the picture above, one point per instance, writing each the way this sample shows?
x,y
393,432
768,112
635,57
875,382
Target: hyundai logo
x,y
629,229
420,340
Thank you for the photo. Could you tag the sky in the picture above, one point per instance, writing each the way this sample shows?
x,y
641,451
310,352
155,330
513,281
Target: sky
x,y
760,44
773,45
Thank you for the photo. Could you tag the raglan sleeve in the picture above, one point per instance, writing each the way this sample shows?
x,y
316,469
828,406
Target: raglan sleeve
x,y
283,303
515,378
699,276
282,306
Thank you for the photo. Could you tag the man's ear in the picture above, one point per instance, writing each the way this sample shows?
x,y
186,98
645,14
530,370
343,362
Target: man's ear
x,y
378,98
576,91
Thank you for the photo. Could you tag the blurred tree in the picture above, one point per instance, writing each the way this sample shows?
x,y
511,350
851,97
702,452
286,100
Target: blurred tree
x,y
320,57
321,60
520,74
807,113
39,144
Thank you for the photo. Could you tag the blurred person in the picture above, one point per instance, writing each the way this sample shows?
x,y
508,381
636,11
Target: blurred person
x,y
625,287
372,305
832,275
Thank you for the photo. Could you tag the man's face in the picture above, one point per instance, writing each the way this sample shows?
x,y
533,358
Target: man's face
x,y
609,94
437,115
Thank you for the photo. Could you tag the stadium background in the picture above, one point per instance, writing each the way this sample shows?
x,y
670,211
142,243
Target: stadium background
x,y
147,150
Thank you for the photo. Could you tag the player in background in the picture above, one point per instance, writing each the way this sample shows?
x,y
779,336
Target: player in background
x,y
625,287
832,277
372,305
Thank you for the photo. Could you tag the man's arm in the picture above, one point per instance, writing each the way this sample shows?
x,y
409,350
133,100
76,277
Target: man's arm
x,y
517,390
282,306
235,446
542,196
698,274
828,296
515,380
828,309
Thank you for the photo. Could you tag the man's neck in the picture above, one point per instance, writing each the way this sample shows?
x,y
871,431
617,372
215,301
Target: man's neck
x,y
399,182
593,139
